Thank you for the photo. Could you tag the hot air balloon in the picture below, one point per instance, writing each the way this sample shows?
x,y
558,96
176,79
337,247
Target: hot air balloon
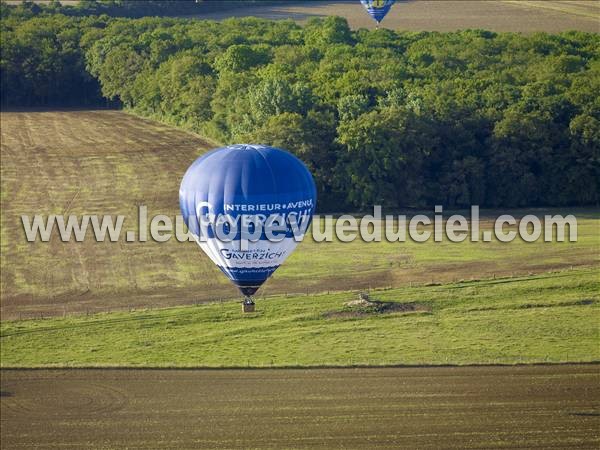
x,y
264,192
378,9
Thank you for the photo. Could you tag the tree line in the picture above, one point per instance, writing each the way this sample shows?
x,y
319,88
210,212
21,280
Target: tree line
x,y
401,119
128,8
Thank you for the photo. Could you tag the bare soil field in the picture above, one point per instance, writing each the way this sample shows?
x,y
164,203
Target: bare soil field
x,y
110,162
464,407
435,15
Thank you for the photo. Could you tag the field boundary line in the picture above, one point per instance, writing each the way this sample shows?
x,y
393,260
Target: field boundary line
x,y
294,367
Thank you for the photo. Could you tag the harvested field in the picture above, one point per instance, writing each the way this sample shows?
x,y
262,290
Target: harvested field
x,y
110,162
448,15
467,407
428,15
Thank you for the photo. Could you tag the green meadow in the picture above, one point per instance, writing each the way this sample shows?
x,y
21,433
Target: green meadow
x,y
549,317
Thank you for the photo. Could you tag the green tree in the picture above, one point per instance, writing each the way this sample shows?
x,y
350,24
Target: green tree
x,y
238,58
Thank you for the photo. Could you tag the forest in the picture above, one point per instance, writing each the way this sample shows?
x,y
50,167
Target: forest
x,y
399,119
129,8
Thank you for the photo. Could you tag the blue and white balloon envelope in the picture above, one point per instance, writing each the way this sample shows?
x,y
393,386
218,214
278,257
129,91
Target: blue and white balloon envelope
x,y
378,9
266,188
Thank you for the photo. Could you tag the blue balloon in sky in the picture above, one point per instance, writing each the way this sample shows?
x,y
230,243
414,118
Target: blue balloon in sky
x,y
247,184
378,9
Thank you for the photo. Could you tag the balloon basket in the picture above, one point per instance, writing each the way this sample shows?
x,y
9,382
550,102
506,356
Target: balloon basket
x,y
248,305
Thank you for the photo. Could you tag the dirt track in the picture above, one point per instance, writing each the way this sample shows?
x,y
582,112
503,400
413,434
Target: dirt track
x,y
485,407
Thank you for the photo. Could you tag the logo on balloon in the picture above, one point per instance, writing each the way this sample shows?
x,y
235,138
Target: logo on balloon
x,y
256,255
291,220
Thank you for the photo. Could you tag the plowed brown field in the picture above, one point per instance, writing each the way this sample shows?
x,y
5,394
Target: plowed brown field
x,y
465,407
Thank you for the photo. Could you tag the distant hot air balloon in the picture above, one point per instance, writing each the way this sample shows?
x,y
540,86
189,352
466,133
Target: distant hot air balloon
x,y
252,184
378,9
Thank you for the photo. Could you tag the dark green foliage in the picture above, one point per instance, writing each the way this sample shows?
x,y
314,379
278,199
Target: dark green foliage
x,y
114,8
128,8
399,119
42,62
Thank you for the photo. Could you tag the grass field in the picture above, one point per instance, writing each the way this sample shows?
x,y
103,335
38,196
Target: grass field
x,y
545,318
447,15
109,162
485,407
